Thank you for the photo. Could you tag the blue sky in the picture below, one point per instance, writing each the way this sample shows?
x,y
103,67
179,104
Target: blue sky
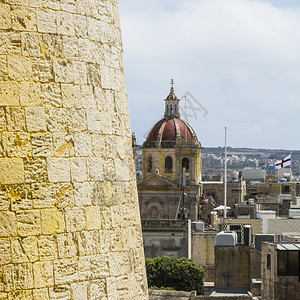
x,y
240,59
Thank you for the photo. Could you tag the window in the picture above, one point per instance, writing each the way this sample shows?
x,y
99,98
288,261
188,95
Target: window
x,y
269,261
168,164
287,263
171,109
186,164
149,169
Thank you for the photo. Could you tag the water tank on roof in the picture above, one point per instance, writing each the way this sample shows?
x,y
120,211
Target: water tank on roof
x,y
198,226
226,238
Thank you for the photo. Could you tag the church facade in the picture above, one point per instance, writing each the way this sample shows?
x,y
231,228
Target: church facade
x,y
171,151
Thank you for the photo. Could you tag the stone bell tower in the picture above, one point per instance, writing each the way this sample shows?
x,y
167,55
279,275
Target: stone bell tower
x,y
69,218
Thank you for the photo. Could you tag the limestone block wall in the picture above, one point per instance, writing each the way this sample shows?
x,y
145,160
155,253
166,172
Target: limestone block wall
x,y
277,226
69,217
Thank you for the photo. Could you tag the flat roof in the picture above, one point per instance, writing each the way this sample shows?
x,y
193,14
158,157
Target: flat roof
x,y
288,246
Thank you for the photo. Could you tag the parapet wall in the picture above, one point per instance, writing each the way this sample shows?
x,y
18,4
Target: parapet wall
x,y
69,218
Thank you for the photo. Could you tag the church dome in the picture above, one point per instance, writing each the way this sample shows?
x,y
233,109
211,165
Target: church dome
x,y
170,129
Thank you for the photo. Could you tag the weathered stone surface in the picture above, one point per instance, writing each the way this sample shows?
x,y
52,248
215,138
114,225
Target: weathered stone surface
x,y
51,95
47,247
58,169
71,96
95,168
9,94
42,145
80,290
43,274
63,145
16,144
4,198
79,171
46,21
11,170
24,250
64,195
93,217
35,119
52,221
5,252
5,19
43,195
30,93
35,170
65,271
19,68
23,18
15,117
20,197
75,219
29,222
82,194
69,226
66,244
2,119
31,44
41,294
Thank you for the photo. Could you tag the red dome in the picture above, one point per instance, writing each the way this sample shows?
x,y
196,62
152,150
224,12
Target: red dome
x,y
169,129
204,202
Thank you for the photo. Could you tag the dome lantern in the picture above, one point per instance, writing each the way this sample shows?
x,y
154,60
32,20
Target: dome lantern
x,y
172,104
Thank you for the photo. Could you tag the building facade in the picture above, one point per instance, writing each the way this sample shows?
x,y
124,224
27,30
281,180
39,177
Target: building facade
x,y
170,152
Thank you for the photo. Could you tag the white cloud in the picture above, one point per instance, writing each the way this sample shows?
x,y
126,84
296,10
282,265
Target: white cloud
x,y
239,58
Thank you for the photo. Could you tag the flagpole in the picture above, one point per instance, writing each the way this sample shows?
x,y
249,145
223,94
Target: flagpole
x,y
291,167
225,177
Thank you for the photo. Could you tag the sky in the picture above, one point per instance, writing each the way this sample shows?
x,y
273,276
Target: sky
x,y
237,62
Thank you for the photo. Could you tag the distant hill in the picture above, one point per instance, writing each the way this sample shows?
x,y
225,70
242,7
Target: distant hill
x,y
240,158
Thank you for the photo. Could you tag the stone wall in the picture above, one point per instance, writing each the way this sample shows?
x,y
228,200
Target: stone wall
x,y
276,287
241,263
203,252
277,226
235,192
69,218
167,238
177,295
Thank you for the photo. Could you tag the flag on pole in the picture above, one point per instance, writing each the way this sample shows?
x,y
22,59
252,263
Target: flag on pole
x,y
283,163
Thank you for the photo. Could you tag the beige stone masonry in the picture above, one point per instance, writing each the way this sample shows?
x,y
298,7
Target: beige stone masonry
x,y
69,218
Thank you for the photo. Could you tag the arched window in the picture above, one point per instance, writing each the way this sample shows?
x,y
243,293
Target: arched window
x,y
168,164
171,109
149,169
186,164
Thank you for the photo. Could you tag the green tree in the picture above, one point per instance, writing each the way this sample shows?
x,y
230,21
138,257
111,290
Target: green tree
x,y
180,274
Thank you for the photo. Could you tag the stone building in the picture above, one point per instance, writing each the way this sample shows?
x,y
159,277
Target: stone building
x,y
171,149
69,217
280,271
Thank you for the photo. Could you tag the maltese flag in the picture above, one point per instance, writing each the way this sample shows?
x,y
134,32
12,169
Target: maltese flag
x,y
283,163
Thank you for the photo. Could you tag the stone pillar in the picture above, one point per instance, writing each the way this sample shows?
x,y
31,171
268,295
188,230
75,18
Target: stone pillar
x,y
69,216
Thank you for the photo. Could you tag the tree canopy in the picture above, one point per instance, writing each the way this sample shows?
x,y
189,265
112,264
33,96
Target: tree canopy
x,y
181,274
